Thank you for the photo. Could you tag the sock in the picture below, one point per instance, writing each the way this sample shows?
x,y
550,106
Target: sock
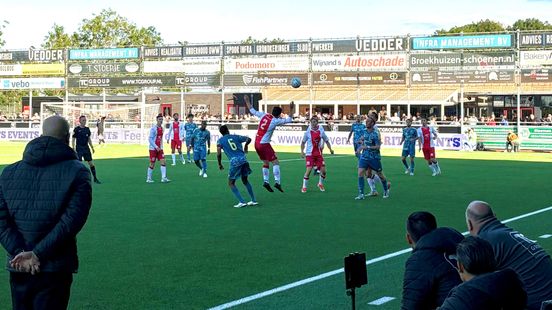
x,y
188,153
276,171
361,185
384,183
376,178
174,158
150,173
321,179
250,191
371,183
437,168
432,168
163,171
182,157
237,193
266,173
204,164
198,164
412,166
305,182
405,164
93,170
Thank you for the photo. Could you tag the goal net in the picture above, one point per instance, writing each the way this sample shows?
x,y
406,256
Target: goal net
x,y
124,122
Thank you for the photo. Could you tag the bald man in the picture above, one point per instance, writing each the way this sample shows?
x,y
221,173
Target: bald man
x,y
513,250
39,232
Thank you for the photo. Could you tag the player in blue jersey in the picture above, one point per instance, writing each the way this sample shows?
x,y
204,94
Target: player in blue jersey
x,y
239,167
409,137
357,131
189,127
370,158
201,137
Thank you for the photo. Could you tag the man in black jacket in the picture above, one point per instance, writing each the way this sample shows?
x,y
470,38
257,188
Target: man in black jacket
x,y
515,251
44,202
483,287
429,275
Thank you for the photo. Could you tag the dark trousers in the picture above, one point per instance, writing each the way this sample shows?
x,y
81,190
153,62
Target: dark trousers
x,y
45,290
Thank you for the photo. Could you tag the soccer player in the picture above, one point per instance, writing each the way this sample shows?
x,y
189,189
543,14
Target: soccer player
x,y
176,135
426,137
100,124
239,167
357,128
189,127
314,138
262,141
370,158
200,137
156,150
82,137
409,137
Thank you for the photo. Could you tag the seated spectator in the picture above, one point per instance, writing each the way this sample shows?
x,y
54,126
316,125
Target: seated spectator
x,y
513,250
483,287
429,275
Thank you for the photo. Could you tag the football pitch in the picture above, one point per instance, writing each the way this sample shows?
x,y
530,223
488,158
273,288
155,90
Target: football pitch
x,y
182,245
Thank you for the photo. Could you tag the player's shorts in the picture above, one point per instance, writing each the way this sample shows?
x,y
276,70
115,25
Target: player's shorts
x,y
84,153
265,151
373,164
100,136
242,170
429,153
188,142
156,155
176,144
409,151
315,161
200,154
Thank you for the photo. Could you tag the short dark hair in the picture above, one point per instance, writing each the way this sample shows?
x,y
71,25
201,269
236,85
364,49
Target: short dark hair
x,y
224,130
175,114
159,115
190,115
476,255
420,223
276,111
82,116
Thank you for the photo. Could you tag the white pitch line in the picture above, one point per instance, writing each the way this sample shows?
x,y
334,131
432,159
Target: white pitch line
x,y
340,270
381,301
545,236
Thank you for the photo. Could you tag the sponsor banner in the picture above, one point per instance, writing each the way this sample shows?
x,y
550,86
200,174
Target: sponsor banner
x,y
458,77
103,68
465,42
161,52
135,81
202,50
258,80
366,62
360,78
195,80
43,69
299,63
32,83
11,69
535,59
536,76
33,55
104,53
198,65
535,39
462,61
534,138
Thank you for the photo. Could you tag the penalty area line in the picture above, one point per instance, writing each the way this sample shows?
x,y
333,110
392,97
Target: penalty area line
x,y
340,270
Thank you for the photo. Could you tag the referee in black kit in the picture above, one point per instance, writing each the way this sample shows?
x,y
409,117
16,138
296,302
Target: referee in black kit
x,y
82,136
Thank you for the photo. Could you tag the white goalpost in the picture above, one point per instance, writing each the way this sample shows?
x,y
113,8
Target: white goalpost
x,y
125,122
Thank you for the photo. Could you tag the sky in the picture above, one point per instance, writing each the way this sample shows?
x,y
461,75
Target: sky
x,y
207,21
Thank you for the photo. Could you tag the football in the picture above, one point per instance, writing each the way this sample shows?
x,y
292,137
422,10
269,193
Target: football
x,y
295,82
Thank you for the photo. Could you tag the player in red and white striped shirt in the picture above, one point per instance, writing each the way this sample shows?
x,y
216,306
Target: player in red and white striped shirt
x,y
176,135
156,150
314,138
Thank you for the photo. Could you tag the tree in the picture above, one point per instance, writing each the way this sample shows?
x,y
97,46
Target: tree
x,y
250,40
2,26
107,29
530,24
481,26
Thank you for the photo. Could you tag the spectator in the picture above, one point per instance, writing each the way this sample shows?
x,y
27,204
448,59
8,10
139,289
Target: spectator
x,y
513,141
504,121
429,275
44,202
483,288
515,251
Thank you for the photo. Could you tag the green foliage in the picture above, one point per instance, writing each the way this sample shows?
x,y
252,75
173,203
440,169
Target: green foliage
x,y
250,40
2,26
480,26
107,29
530,24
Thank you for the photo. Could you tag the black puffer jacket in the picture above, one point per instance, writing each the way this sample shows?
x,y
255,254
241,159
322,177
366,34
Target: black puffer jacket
x,y
44,202
429,275
500,290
